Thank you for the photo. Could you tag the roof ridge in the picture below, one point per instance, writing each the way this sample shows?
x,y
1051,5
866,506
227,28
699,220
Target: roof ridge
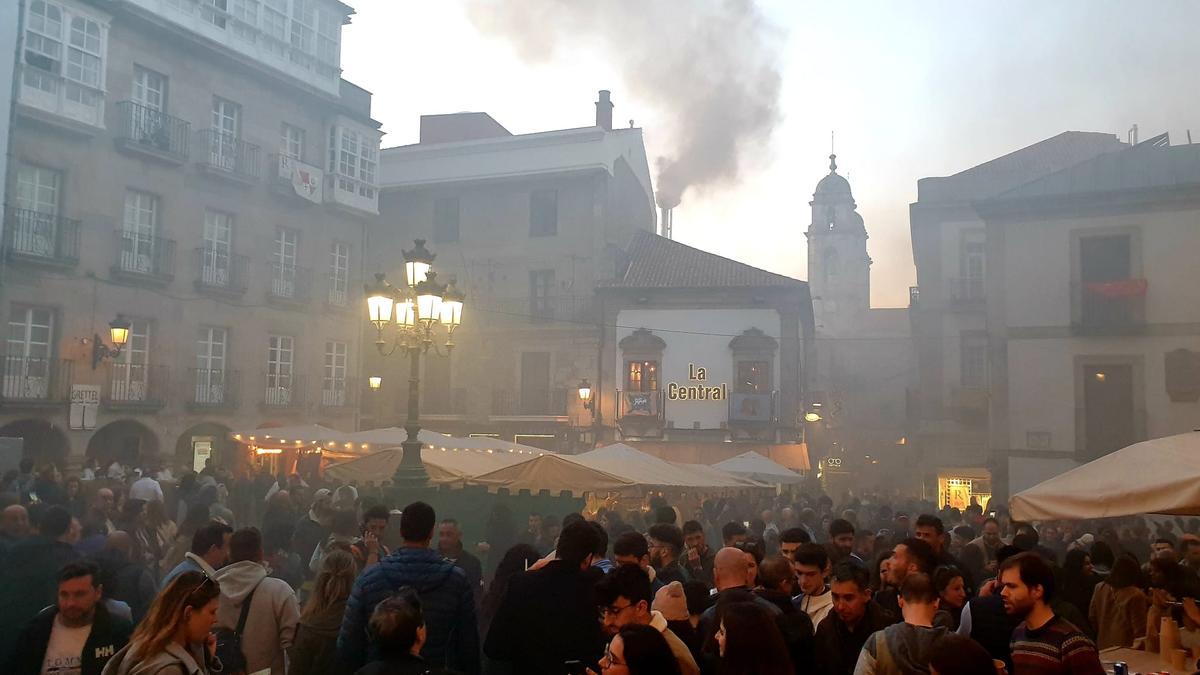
x,y
664,241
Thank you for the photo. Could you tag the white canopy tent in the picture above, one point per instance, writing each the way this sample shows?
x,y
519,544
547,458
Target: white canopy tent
x,y
756,467
1156,476
649,471
452,467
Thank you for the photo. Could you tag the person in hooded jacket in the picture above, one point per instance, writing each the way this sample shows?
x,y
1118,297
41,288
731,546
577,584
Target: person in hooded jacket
x,y
314,651
448,602
905,648
274,613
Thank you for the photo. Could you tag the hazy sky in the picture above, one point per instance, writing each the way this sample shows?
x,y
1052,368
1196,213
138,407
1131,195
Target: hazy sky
x,y
912,89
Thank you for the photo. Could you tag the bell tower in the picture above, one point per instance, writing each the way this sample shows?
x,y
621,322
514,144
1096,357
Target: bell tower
x,y
839,269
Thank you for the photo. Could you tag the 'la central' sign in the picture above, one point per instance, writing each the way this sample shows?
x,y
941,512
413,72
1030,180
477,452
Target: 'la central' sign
x,y
697,392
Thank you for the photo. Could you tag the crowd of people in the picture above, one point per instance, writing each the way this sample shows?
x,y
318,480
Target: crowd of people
x,y
124,572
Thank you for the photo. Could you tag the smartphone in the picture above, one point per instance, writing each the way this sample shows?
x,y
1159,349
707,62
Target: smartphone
x,y
574,668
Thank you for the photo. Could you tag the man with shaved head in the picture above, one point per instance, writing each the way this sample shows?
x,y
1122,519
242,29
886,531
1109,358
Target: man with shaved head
x,y
14,526
730,571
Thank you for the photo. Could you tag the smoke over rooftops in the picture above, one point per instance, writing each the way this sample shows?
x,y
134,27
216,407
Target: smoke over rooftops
x,y
710,66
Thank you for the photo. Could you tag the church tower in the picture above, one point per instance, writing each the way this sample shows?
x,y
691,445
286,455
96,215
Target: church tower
x,y
839,269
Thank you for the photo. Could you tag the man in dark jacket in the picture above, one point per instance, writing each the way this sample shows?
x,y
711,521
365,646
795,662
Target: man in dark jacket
x,y
312,528
842,633
548,616
29,579
451,547
75,635
666,545
447,602
777,583
125,579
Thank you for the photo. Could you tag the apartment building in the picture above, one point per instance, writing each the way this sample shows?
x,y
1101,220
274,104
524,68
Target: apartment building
x,y
1093,322
949,401
199,172
528,224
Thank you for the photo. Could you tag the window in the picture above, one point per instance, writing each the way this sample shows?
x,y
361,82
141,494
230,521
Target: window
x,y
445,220
275,21
149,89
130,375
535,383
541,283
543,213
754,377
245,16
328,36
974,373
215,11
353,156
283,281
1108,409
43,45
291,142
38,189
339,272
217,251
641,375
304,19
84,59
226,117
280,355
138,232
212,343
333,387
27,364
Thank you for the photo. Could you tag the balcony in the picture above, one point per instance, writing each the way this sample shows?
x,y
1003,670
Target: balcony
x,y
452,405
227,156
335,296
529,403
152,133
294,178
31,381
290,285
751,408
1109,308
214,388
284,392
968,406
54,99
967,292
219,273
355,194
144,259
41,238
334,394
135,387
641,413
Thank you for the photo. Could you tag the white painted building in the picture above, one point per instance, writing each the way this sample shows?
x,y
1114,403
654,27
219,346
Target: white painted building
x,y
1093,308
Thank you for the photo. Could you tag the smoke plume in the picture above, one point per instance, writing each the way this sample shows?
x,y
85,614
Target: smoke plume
x,y
709,66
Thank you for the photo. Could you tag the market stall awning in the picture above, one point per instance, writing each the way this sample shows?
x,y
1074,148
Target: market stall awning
x,y
756,467
647,470
374,439
556,473
1156,476
444,466
306,434
718,478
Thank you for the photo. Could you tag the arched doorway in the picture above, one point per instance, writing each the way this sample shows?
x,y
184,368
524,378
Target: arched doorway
x,y
42,441
129,441
202,441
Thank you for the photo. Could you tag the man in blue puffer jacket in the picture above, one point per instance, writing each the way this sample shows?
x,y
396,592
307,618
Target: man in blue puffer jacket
x,y
447,600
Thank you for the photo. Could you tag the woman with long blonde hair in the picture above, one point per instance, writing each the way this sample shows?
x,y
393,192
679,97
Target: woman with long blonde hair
x,y
176,637
314,650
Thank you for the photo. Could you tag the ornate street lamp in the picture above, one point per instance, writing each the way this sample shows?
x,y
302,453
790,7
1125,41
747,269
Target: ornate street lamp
x,y
585,394
118,333
412,312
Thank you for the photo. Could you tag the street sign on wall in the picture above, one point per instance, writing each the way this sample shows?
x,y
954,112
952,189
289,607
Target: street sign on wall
x,y
85,403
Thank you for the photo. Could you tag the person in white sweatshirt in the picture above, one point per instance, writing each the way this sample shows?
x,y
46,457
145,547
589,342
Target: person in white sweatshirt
x,y
274,612
811,562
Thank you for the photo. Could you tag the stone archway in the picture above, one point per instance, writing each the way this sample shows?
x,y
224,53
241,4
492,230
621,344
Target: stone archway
x,y
42,441
211,435
129,441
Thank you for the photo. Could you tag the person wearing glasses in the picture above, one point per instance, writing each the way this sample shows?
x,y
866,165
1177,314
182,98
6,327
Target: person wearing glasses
x,y
625,600
638,650
176,636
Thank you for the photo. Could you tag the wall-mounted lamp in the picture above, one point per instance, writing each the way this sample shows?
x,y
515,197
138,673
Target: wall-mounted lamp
x,y
118,333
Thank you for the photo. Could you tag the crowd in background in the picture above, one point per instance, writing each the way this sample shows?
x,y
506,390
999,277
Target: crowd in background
x,y
108,572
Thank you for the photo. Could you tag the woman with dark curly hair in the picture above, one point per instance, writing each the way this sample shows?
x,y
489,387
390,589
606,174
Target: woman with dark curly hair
x,y
638,650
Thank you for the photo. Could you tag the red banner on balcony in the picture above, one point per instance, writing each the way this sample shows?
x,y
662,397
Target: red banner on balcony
x,y
1127,288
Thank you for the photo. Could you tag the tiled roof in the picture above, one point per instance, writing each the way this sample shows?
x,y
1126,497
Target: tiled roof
x,y
1018,167
658,262
1147,165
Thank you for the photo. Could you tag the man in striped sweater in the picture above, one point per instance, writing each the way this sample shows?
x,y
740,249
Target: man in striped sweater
x,y
1043,644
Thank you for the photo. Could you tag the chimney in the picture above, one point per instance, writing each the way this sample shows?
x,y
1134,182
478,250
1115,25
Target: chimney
x,y
604,108
664,223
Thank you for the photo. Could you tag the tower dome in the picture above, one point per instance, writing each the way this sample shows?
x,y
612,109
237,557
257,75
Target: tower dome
x,y
833,185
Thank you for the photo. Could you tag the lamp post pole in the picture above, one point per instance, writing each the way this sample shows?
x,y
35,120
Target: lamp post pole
x,y
411,472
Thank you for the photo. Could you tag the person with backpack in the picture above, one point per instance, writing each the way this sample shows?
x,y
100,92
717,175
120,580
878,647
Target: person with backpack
x,y
258,615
